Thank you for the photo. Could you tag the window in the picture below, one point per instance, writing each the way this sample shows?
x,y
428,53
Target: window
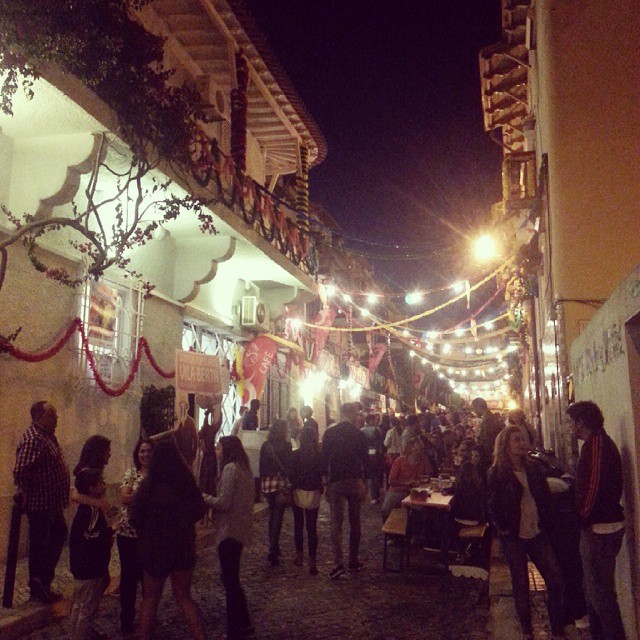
x,y
203,340
112,318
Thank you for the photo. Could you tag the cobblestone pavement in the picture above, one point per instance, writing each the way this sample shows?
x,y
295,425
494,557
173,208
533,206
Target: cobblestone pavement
x,y
286,602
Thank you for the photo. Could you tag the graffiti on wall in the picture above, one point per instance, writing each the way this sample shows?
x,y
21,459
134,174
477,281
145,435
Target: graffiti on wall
x,y
607,347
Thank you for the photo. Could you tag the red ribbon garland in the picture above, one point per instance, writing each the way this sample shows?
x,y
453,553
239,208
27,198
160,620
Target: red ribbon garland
x,y
76,324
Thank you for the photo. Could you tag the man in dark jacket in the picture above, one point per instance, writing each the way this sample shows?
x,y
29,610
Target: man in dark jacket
x,y
491,426
598,494
345,457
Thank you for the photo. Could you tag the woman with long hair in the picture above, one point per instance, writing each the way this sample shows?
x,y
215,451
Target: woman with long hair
x,y
164,511
294,423
130,568
233,515
306,471
95,454
274,461
517,418
518,503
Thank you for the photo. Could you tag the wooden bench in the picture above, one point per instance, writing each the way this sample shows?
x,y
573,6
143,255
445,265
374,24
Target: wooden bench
x,y
470,535
395,528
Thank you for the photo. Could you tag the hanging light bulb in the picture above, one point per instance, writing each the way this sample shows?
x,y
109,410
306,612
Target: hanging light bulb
x,y
372,298
446,348
489,325
458,287
459,332
405,333
330,289
365,313
413,298
468,350
412,354
347,297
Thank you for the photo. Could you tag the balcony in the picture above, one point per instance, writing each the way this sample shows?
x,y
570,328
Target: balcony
x,y
518,182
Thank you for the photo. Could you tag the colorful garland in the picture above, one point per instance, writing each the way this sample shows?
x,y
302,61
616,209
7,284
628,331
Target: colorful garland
x,y
77,324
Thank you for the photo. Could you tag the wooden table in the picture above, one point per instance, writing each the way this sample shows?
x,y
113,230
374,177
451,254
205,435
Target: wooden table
x,y
439,507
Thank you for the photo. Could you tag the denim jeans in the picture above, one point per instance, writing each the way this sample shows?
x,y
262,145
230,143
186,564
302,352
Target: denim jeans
x,y
599,552
340,493
515,551
276,514
238,620
311,518
47,533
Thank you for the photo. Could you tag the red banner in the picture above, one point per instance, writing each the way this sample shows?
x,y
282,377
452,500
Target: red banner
x,y
257,358
377,351
325,318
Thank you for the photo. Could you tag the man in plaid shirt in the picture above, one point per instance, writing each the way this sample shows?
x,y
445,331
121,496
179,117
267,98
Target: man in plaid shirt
x,y
42,478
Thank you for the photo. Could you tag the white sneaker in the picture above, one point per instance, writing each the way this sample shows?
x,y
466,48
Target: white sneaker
x,y
583,623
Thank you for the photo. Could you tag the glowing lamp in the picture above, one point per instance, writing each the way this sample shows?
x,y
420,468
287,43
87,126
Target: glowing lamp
x,y
413,298
485,248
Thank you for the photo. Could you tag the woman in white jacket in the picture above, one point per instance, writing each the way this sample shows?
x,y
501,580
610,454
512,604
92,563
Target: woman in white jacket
x,y
233,515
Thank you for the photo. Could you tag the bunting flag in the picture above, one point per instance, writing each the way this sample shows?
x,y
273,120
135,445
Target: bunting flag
x,y
325,318
256,361
473,327
375,356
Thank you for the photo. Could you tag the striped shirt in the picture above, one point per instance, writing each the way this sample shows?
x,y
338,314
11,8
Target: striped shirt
x,y
41,472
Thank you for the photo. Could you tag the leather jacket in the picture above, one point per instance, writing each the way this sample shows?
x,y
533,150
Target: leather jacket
x,y
505,494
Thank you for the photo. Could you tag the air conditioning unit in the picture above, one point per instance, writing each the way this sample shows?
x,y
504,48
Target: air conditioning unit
x,y
253,313
213,97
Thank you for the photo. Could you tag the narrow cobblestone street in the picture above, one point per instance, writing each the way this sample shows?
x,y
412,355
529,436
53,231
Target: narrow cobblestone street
x,y
286,602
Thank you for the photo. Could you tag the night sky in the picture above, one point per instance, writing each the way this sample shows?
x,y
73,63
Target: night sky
x,y
394,86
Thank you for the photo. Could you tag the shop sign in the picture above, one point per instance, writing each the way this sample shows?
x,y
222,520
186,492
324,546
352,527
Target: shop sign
x,y
198,373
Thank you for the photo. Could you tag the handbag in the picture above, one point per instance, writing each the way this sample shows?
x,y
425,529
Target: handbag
x,y
284,496
307,499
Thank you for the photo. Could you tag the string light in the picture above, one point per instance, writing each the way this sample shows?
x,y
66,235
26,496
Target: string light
x,y
413,298
372,298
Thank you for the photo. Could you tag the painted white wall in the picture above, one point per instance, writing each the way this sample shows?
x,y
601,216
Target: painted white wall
x,y
603,372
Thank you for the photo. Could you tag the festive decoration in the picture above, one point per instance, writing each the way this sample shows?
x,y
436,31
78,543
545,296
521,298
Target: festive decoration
x,y
239,107
392,325
77,325
302,187
325,318
257,358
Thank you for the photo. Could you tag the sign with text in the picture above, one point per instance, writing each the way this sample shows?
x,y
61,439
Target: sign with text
x,y
198,373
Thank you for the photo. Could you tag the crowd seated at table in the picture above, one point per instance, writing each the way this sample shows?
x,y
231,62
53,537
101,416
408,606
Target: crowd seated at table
x,y
407,472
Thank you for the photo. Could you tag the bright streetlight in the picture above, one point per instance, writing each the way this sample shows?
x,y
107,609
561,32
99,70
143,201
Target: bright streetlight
x,y
485,248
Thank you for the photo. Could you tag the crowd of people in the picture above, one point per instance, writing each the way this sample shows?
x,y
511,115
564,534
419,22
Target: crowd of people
x,y
365,455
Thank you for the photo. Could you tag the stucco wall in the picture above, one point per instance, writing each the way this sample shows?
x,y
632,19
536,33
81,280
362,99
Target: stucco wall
x,y
44,309
588,122
605,365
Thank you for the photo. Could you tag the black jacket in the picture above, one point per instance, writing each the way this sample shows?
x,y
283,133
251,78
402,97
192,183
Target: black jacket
x,y
345,452
274,458
505,495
